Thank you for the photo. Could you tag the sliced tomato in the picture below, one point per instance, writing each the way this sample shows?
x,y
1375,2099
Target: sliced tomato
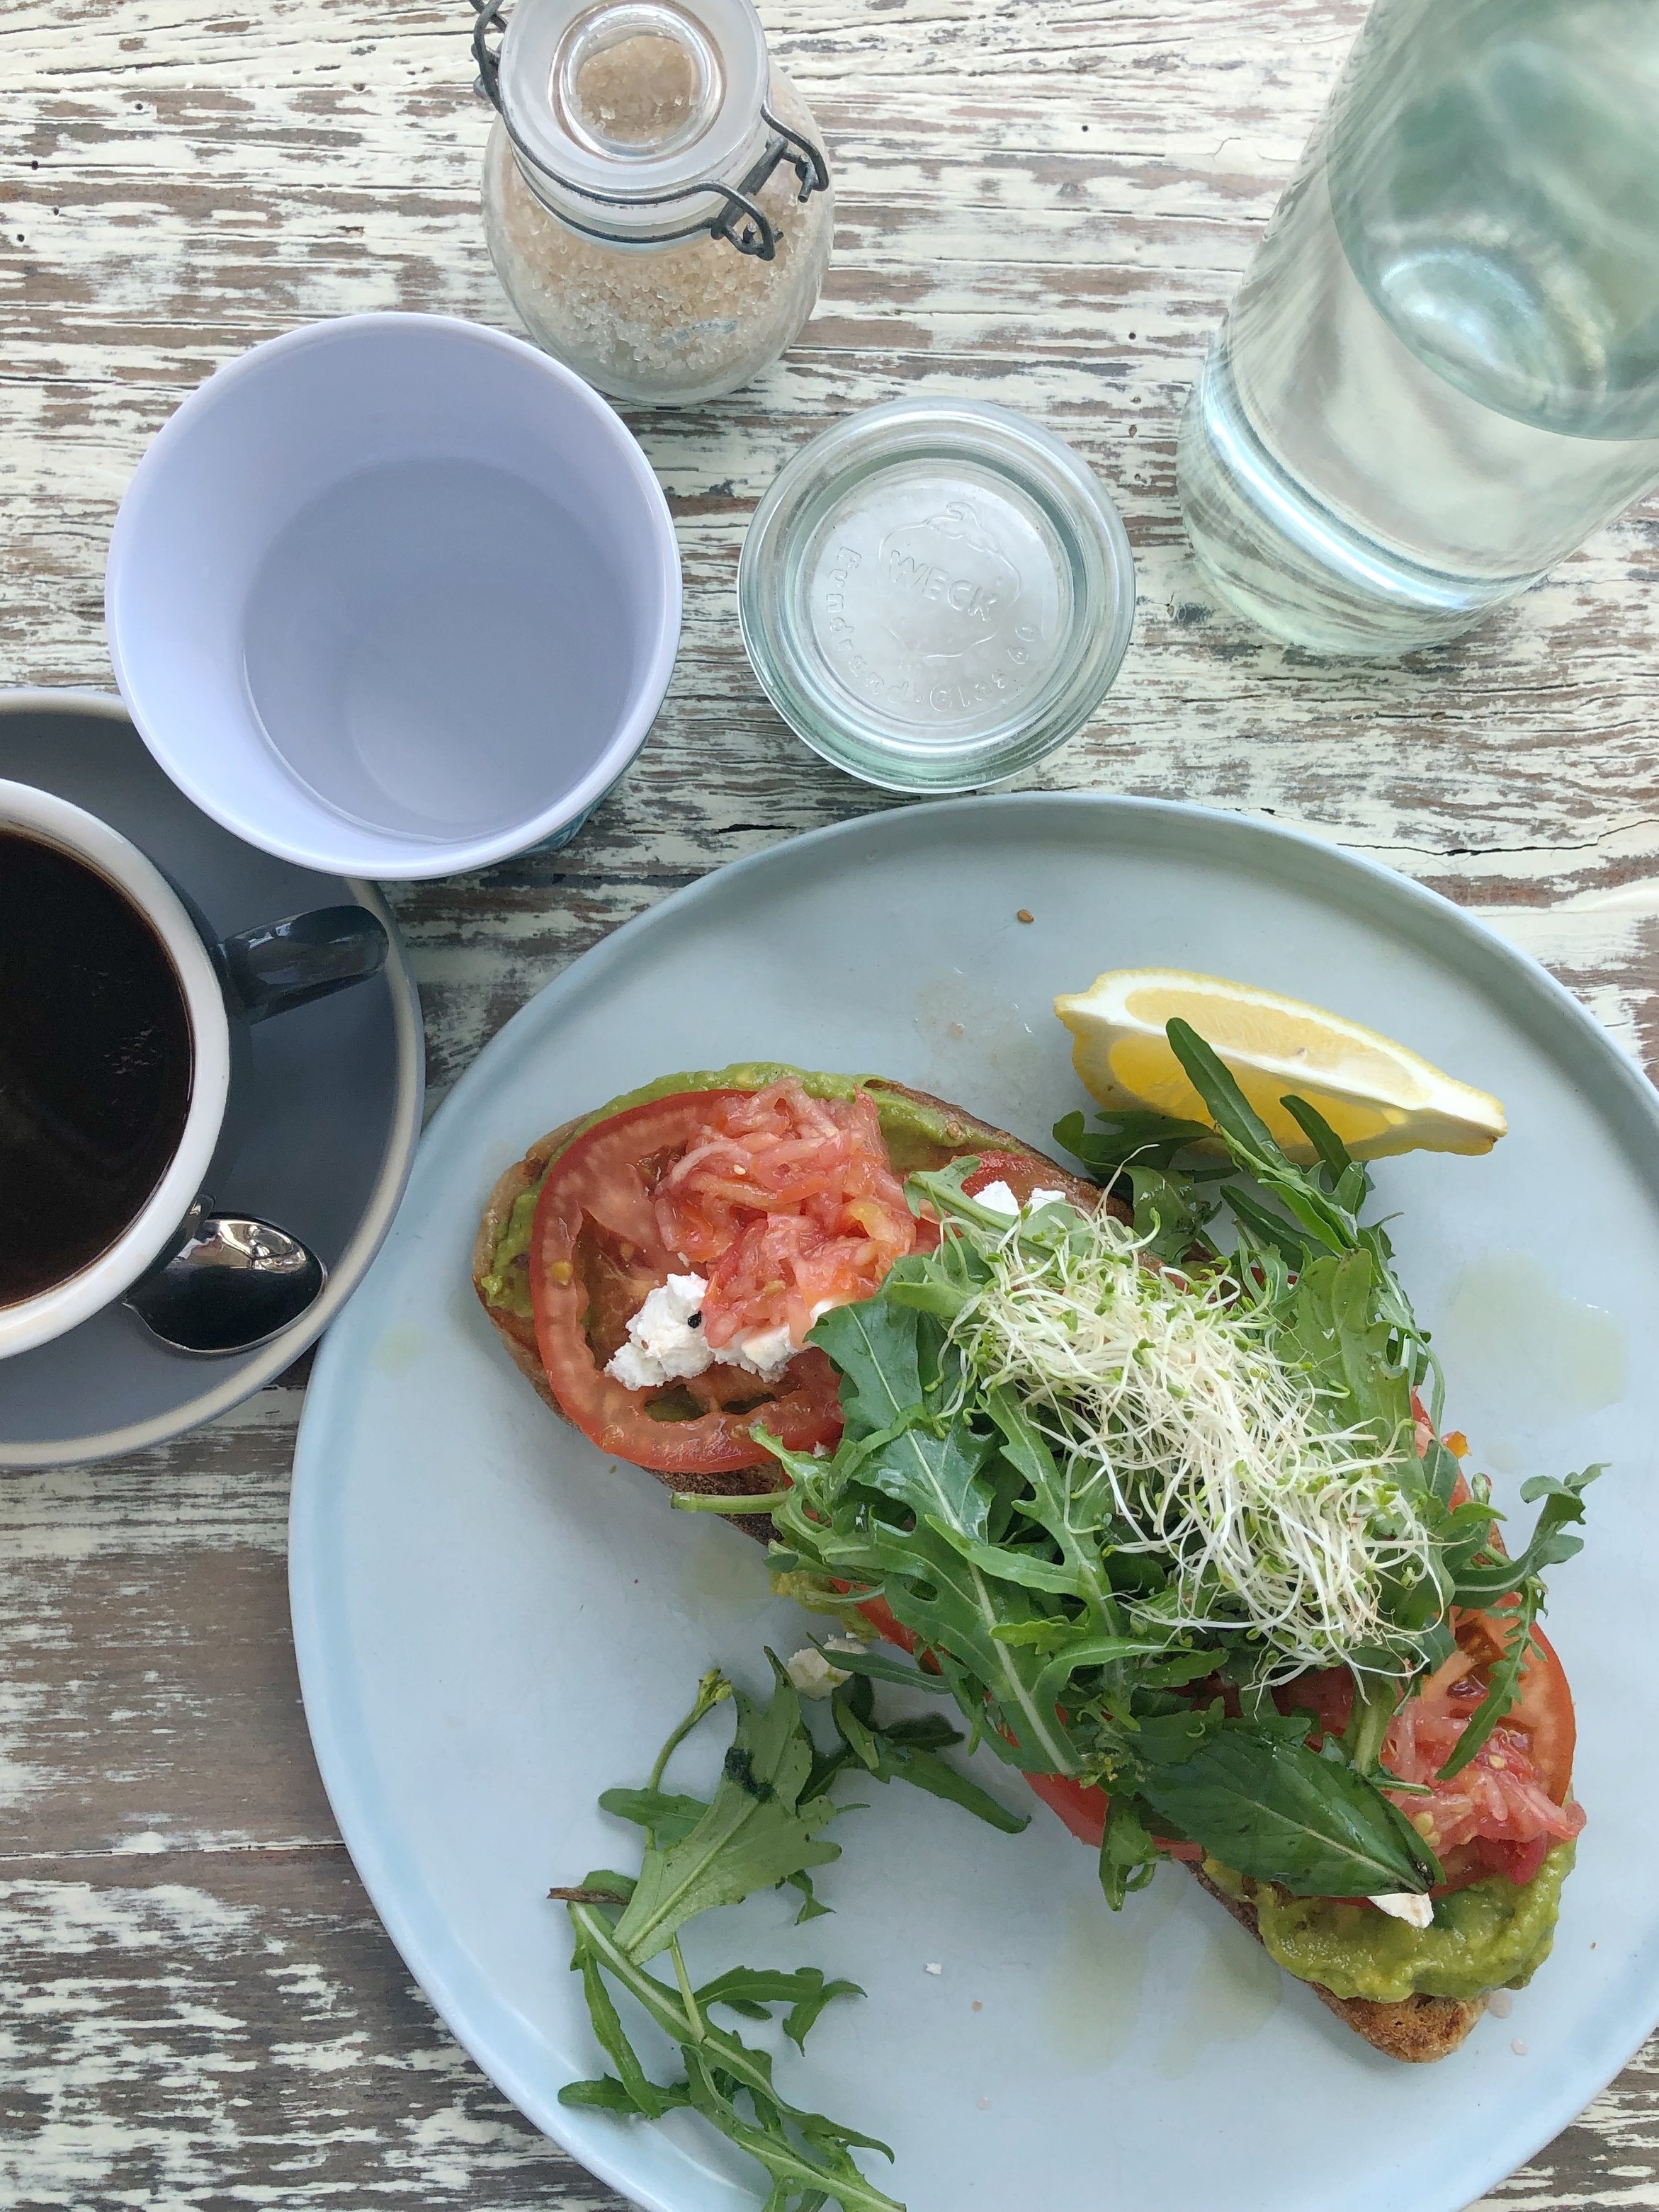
x,y
1081,1805
1544,1715
1022,1174
1506,1808
886,1623
596,1251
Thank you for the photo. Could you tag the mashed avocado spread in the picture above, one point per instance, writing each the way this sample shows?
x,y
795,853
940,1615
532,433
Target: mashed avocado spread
x,y
918,1136
1487,1937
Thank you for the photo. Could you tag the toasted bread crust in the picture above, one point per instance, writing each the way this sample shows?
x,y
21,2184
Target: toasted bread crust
x,y
1415,2029
517,1335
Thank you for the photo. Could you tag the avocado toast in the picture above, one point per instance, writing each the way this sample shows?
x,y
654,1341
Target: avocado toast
x,y
1299,1742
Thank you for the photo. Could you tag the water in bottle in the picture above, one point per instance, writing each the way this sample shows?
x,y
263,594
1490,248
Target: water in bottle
x,y
1442,371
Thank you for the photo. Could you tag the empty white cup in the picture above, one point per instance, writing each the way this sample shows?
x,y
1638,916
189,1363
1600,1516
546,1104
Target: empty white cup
x,y
393,596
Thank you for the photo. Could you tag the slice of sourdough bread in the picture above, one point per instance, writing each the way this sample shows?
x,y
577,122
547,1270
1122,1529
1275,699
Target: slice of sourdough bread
x,y
1419,2028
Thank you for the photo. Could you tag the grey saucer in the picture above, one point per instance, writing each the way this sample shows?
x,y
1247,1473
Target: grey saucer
x,y
331,1121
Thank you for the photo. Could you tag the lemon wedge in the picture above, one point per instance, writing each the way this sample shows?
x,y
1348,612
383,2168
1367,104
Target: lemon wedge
x,y
1379,1098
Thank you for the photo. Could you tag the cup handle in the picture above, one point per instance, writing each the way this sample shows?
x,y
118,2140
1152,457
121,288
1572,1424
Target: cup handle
x,y
283,964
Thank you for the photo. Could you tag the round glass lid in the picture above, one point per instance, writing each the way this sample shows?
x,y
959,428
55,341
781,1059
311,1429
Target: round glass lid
x,y
936,593
634,100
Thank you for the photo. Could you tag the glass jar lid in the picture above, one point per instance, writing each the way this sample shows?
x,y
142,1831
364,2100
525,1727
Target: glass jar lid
x,y
643,121
936,593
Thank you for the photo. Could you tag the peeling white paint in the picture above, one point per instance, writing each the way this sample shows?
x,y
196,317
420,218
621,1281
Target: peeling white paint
x,y
1044,209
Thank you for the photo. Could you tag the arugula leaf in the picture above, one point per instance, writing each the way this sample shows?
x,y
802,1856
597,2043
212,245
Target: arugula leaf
x,y
1128,1856
1071,1504
1083,1650
933,1472
1271,1809
1503,1686
1347,1178
753,1991
923,1770
875,1349
810,1908
606,2094
1265,1229
1168,1739
905,1751
803,2174
670,1816
807,2155
952,1607
760,1827
641,2094
940,1283
1325,1326
1252,1146
878,1667
1552,1541
1129,1138
1026,1567
752,1835
1169,1213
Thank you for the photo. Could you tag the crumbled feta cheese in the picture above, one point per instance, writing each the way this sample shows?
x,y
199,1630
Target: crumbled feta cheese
x,y
932,1970
853,1643
1001,1199
813,1675
1417,1911
764,1352
665,1344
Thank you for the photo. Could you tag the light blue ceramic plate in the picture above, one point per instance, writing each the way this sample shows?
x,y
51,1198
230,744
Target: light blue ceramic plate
x,y
494,1624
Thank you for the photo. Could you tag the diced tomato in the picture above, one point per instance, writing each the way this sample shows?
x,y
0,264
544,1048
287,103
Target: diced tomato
x,y
1514,1791
596,1251
788,1204
1510,1803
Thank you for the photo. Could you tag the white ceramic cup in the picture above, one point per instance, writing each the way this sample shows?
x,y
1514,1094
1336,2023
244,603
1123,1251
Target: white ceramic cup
x,y
394,596
226,985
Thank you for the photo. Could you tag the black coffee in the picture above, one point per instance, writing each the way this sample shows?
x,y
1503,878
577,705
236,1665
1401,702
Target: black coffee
x,y
94,1065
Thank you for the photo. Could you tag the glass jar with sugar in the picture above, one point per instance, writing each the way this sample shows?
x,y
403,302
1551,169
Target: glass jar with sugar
x,y
656,199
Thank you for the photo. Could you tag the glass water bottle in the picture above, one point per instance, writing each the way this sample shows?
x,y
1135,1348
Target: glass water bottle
x,y
1441,372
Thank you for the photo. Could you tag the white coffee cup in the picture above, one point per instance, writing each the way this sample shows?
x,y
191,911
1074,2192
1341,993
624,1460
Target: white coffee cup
x,y
225,985
394,596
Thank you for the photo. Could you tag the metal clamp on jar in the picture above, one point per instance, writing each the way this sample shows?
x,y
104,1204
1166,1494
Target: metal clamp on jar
x,y
656,199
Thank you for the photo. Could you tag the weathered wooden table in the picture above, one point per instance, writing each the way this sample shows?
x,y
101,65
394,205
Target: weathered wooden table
x,y
1045,202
